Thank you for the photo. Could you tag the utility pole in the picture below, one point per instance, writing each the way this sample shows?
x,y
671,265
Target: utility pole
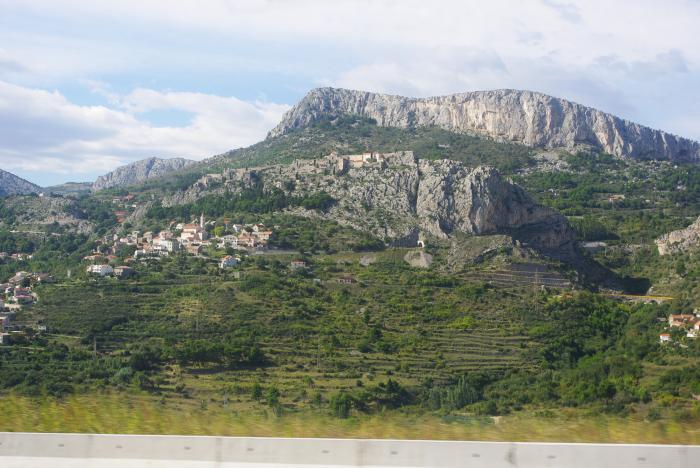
x,y
94,346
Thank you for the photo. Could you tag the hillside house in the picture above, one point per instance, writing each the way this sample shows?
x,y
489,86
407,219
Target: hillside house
x,y
23,296
680,320
247,239
4,338
192,233
228,240
264,236
194,249
664,338
165,245
298,263
228,262
124,272
345,280
18,277
100,270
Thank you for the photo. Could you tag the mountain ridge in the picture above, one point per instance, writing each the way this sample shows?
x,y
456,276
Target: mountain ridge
x,y
531,118
11,184
139,171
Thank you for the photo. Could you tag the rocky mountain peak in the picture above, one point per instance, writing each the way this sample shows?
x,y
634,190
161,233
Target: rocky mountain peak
x,y
526,117
11,184
139,171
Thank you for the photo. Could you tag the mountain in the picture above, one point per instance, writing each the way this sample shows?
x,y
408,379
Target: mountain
x,y
530,118
139,171
10,184
70,188
680,240
397,196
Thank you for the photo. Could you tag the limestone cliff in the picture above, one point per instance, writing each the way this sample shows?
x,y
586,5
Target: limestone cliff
x,y
681,240
11,184
139,171
525,117
397,194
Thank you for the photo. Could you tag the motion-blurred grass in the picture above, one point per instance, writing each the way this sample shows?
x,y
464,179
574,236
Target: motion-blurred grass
x,y
142,414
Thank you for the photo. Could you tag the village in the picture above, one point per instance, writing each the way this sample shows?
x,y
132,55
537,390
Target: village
x,y
680,325
15,294
191,238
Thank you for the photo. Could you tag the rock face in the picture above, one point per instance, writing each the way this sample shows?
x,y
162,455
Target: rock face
x,y
37,213
681,240
525,117
397,194
138,172
10,184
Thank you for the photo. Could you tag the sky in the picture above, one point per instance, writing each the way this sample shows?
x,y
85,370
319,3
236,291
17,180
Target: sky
x,y
86,86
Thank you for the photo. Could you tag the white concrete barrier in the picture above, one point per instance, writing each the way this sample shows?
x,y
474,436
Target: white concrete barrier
x,y
38,450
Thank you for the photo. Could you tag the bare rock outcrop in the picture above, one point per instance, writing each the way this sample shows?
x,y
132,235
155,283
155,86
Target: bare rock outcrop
x,y
525,117
680,240
36,213
397,194
139,171
11,184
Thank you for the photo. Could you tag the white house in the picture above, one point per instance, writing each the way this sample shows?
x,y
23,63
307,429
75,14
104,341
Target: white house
x,y
101,270
166,245
228,261
695,331
228,240
665,338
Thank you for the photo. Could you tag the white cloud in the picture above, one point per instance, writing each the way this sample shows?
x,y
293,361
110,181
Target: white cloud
x,y
43,131
635,58
567,11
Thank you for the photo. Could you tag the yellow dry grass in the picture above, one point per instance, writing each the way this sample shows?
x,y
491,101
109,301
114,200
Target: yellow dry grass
x,y
143,414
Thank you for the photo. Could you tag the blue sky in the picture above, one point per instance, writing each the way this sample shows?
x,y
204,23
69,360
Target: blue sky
x,y
88,86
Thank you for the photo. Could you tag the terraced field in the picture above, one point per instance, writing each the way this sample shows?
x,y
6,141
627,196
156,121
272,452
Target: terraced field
x,y
318,335
522,274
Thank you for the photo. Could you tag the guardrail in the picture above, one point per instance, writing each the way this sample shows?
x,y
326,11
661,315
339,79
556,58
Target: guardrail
x,y
38,450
